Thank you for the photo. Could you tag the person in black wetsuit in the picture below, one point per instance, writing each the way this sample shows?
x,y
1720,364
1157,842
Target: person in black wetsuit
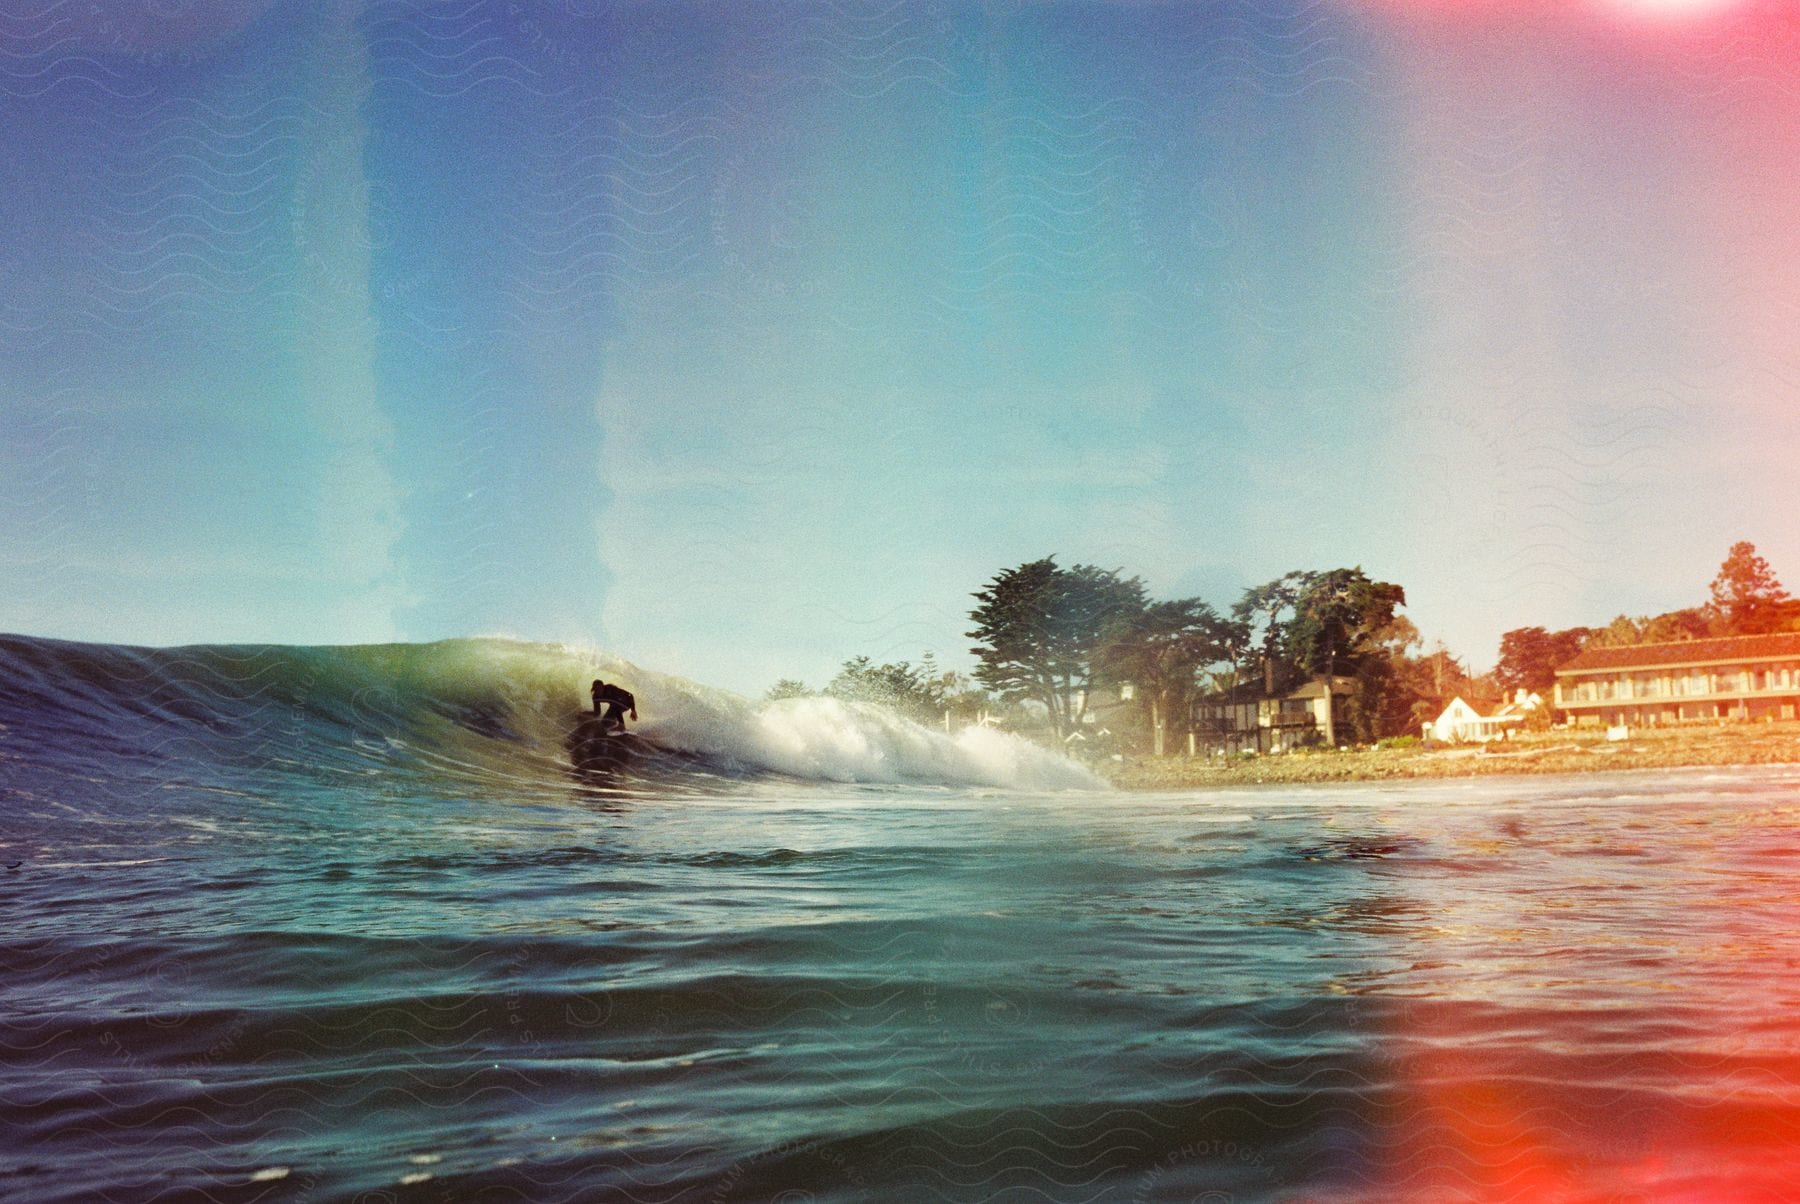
x,y
617,703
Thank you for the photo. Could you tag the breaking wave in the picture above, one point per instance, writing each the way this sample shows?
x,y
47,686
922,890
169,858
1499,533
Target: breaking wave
x,y
464,710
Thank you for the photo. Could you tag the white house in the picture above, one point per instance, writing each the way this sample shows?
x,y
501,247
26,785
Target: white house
x,y
1460,721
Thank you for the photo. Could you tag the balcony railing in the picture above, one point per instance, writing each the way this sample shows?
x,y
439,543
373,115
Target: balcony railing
x,y
1580,697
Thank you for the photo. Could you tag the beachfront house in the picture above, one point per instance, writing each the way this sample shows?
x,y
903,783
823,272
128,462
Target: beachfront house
x,y
1250,719
1742,677
1460,721
1097,714
1105,708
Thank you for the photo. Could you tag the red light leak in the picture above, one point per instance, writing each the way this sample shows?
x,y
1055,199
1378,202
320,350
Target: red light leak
x,y
1715,37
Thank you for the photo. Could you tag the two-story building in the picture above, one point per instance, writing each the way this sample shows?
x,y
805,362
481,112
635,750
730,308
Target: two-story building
x,y
1248,719
1741,677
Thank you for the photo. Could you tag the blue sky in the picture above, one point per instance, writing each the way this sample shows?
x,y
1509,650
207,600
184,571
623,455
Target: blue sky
x,y
740,340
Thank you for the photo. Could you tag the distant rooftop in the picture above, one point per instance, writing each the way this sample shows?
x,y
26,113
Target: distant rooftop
x,y
1316,687
1687,652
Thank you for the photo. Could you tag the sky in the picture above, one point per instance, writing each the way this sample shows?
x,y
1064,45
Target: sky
x,y
742,339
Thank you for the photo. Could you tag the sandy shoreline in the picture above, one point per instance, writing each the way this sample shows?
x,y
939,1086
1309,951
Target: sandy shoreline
x,y
1587,751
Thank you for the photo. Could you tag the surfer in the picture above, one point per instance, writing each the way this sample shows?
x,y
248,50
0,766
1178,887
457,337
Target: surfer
x,y
617,702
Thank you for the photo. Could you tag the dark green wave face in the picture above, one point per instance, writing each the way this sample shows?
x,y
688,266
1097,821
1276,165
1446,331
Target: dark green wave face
x,y
312,923
478,714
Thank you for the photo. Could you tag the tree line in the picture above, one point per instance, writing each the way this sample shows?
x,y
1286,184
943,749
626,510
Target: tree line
x,y
923,692
1048,635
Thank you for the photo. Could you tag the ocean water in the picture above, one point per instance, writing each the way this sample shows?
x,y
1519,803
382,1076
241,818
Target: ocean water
x,y
316,924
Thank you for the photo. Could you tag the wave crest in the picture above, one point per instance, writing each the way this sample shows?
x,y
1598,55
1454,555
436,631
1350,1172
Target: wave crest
x,y
468,708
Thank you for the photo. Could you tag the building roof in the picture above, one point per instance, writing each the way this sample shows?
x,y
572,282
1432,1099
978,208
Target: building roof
x,y
1317,686
1252,691
1450,714
1451,707
1686,652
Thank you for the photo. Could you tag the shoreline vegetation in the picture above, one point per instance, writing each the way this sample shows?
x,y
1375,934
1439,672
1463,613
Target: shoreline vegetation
x,y
1583,750
1319,674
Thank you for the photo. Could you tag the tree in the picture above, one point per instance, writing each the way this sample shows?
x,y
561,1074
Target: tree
x,y
1337,617
897,686
1415,684
1745,595
1160,649
1622,632
1530,657
1264,613
1014,622
1338,621
1039,624
1444,675
956,694
1090,602
1689,623
1335,623
1399,635
1388,680
1420,687
923,692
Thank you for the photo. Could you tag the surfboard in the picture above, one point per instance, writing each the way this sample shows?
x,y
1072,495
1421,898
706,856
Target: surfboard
x,y
594,744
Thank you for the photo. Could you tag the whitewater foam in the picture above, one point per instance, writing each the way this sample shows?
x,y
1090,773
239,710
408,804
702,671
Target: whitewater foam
x,y
831,740
472,711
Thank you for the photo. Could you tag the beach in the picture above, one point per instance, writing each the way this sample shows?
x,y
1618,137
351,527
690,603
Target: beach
x,y
1578,750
